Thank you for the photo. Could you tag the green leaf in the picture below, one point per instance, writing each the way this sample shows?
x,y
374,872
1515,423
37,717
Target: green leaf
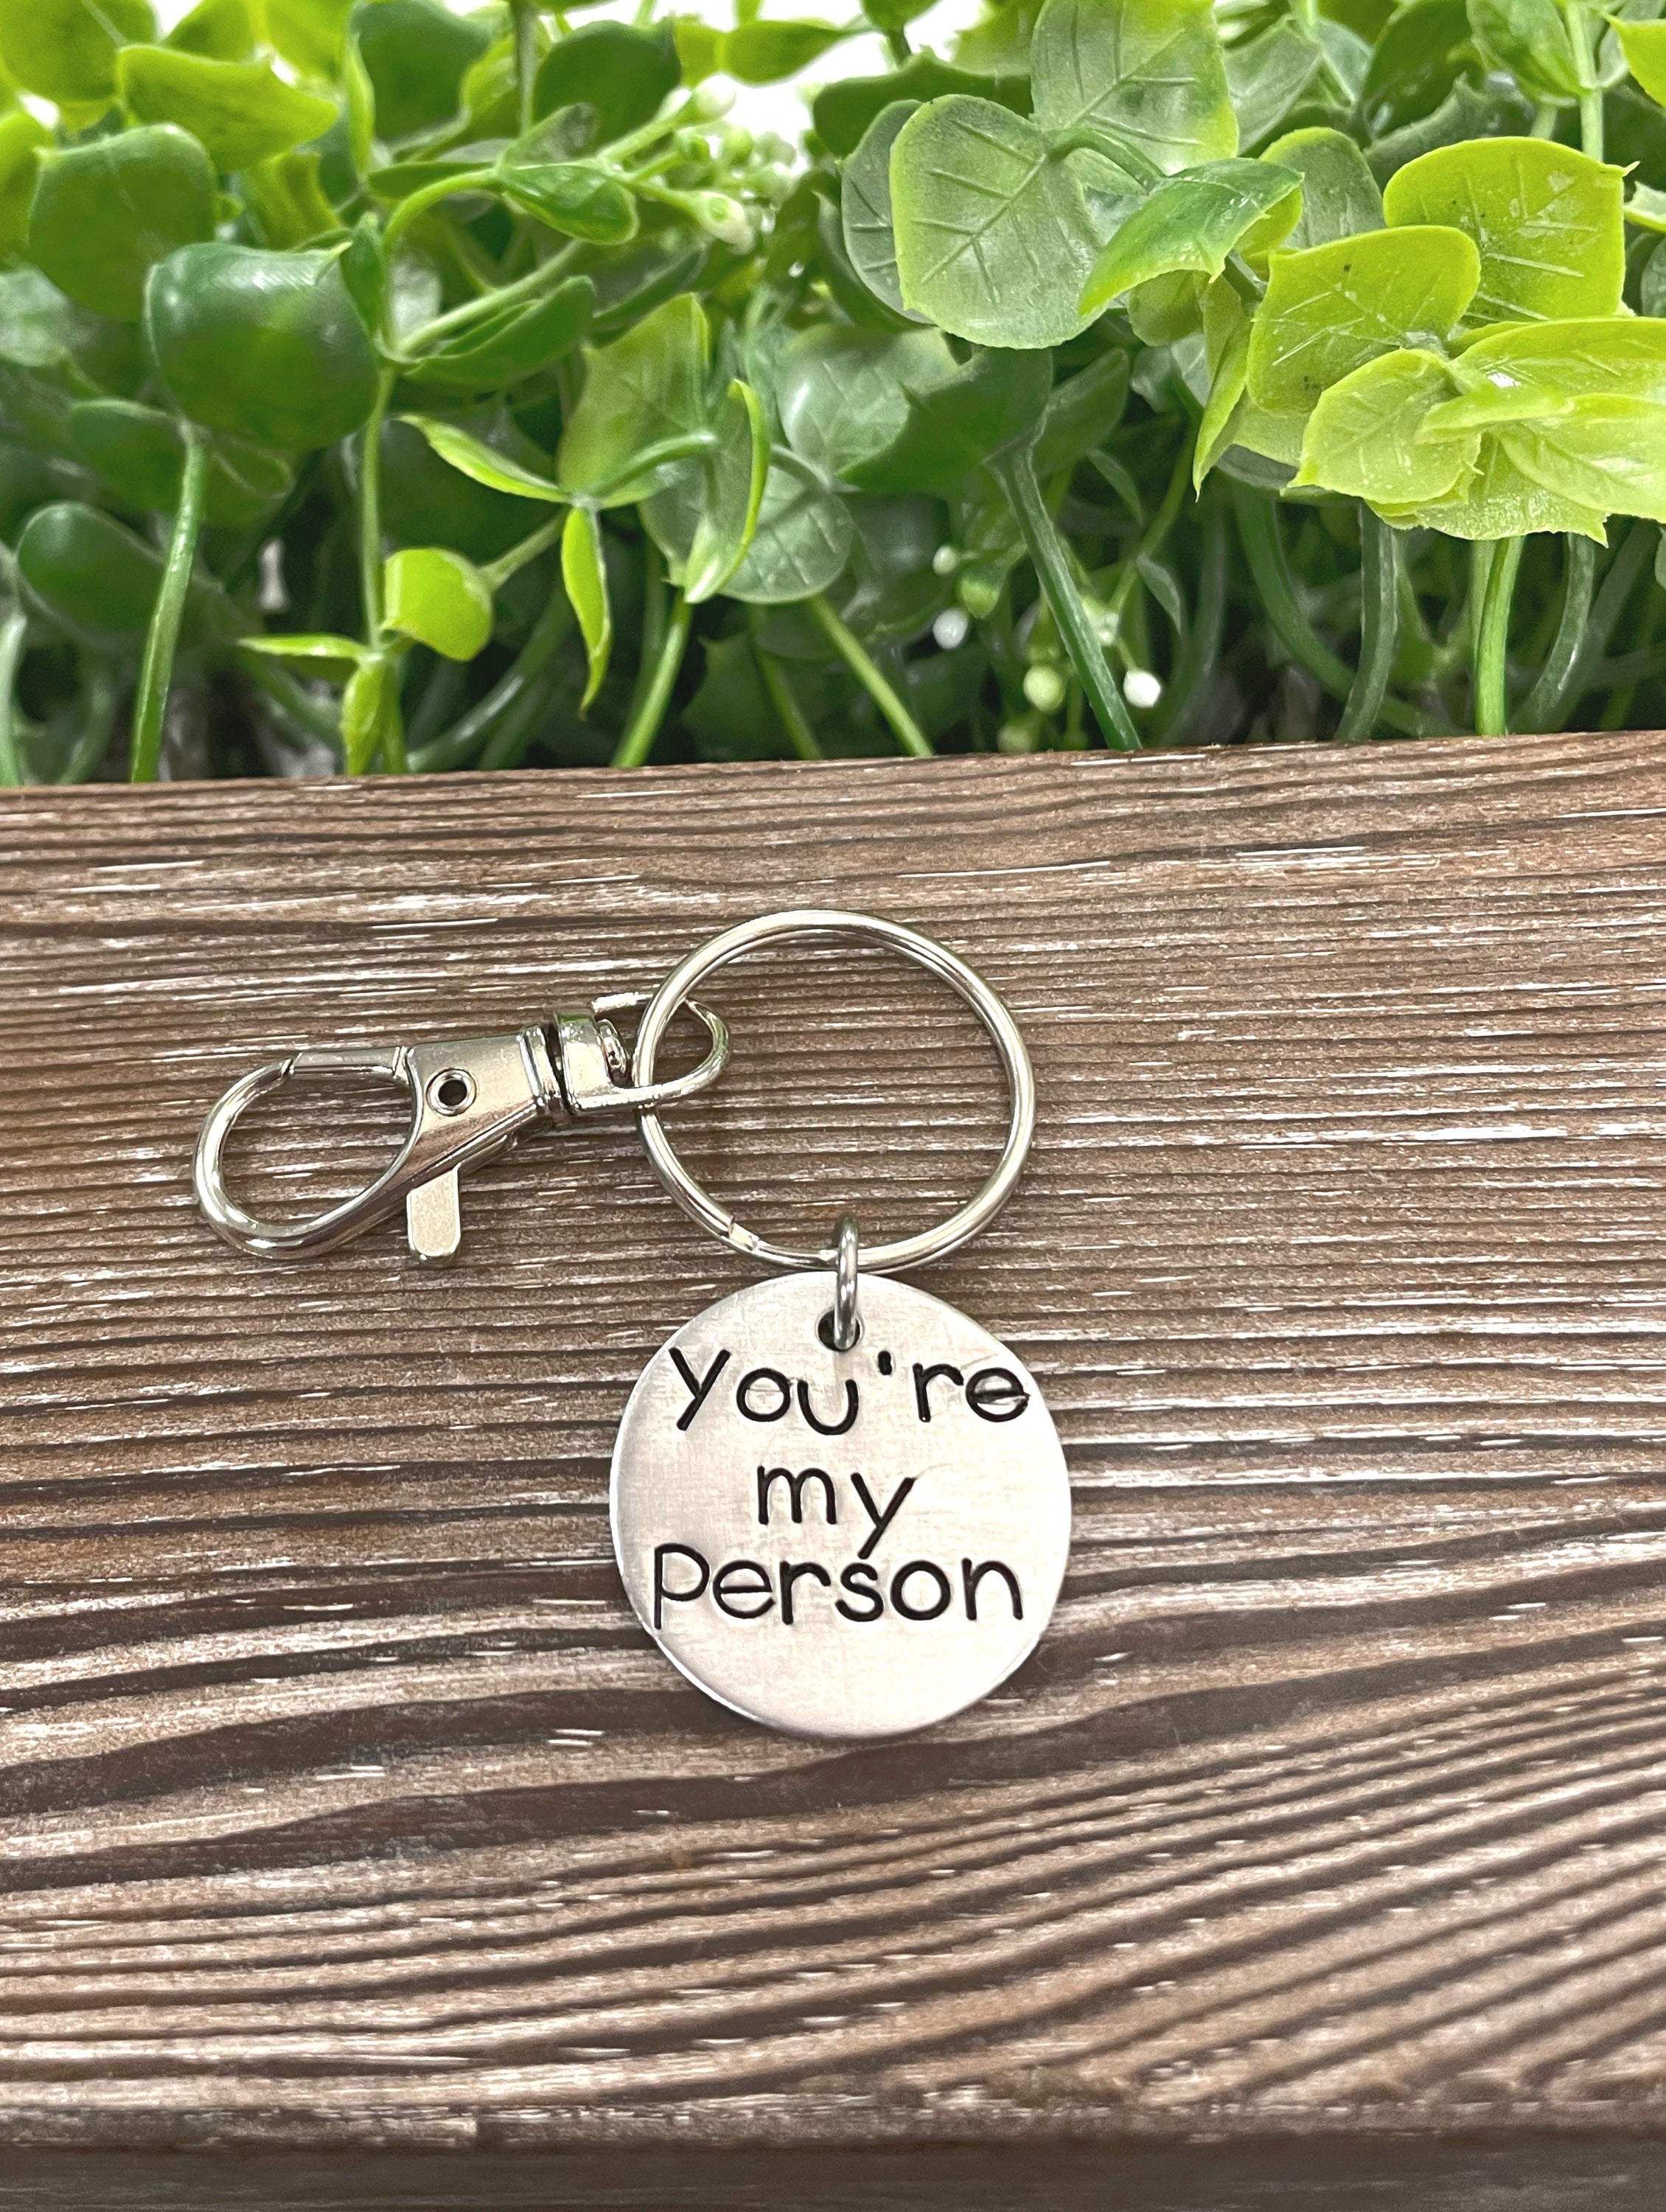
x,y
764,53
1647,208
360,98
1546,222
1166,310
622,72
1081,412
700,48
1268,75
66,51
436,597
140,454
1331,308
953,427
1193,223
477,461
241,112
97,579
1643,45
845,112
286,202
994,241
735,476
500,349
20,140
575,198
646,388
844,394
1217,431
1149,71
1499,112
1500,502
224,30
1416,62
311,34
369,711
1623,358
584,573
1608,454
266,346
38,325
1362,438
317,652
865,207
1530,39
803,539
106,211
415,53
1340,197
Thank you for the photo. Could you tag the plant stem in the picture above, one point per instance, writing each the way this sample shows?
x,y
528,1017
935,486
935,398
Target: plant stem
x,y
1590,93
906,731
100,708
509,741
1257,516
543,278
480,724
497,573
370,514
897,43
638,741
162,638
1195,670
1492,716
292,698
805,743
1543,707
1016,473
13,634
419,202
1379,627
526,58
1616,588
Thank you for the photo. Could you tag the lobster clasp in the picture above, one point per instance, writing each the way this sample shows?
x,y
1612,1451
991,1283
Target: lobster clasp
x,y
469,1096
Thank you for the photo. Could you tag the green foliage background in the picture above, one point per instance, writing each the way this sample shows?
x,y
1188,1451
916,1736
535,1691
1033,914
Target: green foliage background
x,y
391,389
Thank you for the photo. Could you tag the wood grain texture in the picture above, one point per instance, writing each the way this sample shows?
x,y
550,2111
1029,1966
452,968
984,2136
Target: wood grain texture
x,y
343,1802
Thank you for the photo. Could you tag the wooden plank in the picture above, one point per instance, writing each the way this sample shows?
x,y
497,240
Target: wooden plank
x,y
343,1803
1558,2175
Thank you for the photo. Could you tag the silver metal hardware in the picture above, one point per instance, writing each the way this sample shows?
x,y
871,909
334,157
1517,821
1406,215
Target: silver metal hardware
x,y
846,1324
471,1096
816,922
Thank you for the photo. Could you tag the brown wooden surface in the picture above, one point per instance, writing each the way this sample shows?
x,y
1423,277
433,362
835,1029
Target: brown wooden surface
x,y
345,1804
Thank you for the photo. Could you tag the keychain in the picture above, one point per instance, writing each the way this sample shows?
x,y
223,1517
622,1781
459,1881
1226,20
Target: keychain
x,y
839,1506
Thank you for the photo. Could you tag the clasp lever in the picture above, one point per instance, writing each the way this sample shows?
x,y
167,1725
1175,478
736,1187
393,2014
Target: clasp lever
x,y
471,1096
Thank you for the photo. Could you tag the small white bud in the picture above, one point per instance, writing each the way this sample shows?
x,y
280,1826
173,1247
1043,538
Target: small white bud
x,y
711,103
952,628
1044,687
1017,737
1141,688
726,220
737,145
945,560
274,598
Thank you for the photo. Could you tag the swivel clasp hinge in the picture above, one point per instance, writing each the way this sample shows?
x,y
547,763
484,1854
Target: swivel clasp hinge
x,y
471,1096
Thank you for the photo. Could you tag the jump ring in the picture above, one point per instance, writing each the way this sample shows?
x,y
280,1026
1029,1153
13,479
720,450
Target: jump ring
x,y
906,1252
847,1328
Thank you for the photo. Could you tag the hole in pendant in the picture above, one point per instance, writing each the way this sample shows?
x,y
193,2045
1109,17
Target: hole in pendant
x,y
824,1329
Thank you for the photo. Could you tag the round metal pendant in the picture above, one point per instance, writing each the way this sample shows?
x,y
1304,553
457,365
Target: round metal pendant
x,y
839,1544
